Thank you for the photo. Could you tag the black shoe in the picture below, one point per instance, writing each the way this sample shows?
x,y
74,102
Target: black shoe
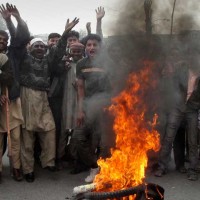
x,y
192,175
182,169
187,158
197,169
160,172
78,169
17,175
51,168
30,177
59,165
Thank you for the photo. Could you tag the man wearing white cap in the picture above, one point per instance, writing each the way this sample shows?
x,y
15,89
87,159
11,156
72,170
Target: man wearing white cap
x,y
34,81
38,118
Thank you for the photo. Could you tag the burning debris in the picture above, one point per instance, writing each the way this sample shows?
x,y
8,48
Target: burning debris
x,y
148,191
134,135
123,173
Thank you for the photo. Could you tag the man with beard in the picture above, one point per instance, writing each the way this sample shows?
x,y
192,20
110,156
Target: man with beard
x,y
57,79
69,104
19,39
34,80
94,91
37,115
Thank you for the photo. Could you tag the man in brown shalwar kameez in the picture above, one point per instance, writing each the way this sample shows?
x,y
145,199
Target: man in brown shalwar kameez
x,y
10,59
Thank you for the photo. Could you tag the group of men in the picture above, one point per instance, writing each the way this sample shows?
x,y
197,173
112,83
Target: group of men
x,y
52,90
181,104
53,97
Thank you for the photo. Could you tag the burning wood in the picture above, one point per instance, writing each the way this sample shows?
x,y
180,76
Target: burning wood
x,y
135,135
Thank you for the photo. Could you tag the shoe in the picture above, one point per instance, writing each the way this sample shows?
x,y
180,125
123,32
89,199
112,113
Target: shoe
x,y
17,175
51,168
192,175
159,172
93,173
182,169
59,165
78,169
30,177
187,158
197,169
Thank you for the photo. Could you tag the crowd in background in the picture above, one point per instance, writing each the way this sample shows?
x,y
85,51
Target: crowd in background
x,y
54,95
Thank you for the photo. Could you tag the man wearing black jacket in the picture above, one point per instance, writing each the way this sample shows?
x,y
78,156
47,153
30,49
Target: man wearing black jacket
x,y
19,38
186,103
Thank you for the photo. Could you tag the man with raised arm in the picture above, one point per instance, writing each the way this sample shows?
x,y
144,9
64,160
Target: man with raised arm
x,y
94,92
100,13
34,81
58,72
6,79
19,38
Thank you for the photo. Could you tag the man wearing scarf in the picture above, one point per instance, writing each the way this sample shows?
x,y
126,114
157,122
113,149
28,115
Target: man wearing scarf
x,y
69,104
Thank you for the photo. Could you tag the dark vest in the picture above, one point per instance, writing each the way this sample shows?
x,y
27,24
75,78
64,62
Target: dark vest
x,y
34,73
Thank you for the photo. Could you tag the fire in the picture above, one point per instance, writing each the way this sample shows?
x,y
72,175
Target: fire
x,y
135,135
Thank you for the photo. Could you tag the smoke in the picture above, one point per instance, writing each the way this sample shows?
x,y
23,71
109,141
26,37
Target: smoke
x,y
131,18
130,45
186,16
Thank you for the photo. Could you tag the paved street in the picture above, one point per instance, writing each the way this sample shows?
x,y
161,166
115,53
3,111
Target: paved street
x,y
59,185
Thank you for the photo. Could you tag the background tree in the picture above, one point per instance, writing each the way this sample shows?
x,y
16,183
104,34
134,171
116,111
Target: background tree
x,y
172,17
148,13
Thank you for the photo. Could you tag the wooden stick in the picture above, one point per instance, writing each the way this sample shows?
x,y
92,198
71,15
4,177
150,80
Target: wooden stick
x,y
8,125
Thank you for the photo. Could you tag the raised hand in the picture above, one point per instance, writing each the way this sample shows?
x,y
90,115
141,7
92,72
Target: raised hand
x,y
100,13
5,12
69,25
13,10
88,27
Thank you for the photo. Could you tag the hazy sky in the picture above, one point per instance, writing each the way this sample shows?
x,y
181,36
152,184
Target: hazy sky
x,y
45,16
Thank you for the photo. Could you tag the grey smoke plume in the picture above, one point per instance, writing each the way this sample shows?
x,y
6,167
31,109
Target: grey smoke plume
x,y
131,17
186,15
129,44
136,46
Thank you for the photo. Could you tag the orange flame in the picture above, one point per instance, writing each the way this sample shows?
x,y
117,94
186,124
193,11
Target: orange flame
x,y
134,135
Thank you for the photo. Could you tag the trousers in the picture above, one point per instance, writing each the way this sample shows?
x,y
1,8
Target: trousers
x,y
48,147
173,123
15,147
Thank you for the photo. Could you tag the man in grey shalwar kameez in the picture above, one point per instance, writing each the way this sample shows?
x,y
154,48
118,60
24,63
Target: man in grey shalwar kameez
x,y
69,106
70,88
